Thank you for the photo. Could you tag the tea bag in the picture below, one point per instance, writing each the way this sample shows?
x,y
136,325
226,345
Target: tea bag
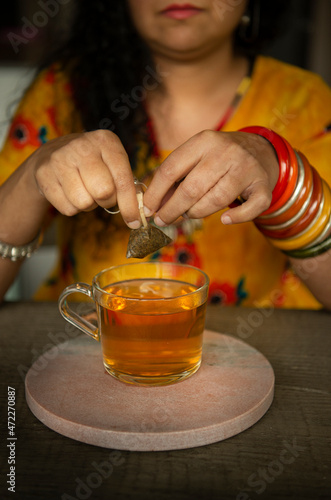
x,y
147,239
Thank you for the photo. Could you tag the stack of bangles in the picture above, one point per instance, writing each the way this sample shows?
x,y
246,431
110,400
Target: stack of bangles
x,y
298,221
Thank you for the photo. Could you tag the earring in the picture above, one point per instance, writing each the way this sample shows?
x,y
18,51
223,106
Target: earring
x,y
250,23
245,20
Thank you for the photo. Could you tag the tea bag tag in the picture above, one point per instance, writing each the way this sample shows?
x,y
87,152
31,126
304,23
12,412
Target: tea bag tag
x,y
147,239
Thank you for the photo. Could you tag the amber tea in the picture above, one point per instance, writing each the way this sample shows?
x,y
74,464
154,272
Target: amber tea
x,y
164,341
150,320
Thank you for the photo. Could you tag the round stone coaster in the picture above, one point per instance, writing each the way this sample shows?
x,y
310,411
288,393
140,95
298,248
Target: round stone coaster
x,y
68,390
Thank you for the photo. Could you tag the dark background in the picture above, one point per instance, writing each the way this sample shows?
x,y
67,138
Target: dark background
x,y
306,43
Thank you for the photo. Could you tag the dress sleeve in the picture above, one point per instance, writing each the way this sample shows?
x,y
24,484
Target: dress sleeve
x,y
44,113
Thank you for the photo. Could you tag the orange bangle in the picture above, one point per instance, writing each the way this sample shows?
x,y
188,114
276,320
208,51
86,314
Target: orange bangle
x,y
315,228
308,216
306,191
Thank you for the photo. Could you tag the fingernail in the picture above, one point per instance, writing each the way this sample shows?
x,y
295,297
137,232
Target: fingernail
x,y
134,224
148,212
226,219
158,221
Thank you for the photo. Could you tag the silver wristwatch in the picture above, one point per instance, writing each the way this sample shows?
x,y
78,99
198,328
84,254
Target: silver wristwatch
x,y
15,253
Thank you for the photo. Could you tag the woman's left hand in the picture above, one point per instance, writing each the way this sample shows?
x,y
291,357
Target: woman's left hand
x,y
208,172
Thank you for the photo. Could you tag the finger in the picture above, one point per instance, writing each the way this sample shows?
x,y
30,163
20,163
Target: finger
x,y
98,182
172,170
116,160
65,167
126,195
258,200
85,158
52,189
75,191
225,190
217,198
191,191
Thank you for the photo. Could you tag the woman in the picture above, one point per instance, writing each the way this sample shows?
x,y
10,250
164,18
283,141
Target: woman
x,y
150,84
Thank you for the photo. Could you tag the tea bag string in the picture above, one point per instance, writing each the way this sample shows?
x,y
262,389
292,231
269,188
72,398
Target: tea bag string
x,y
140,195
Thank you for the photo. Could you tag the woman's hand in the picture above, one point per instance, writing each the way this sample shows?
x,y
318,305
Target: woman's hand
x,y
208,172
78,172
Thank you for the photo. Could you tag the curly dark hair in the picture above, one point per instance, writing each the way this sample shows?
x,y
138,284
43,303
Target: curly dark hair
x,y
107,61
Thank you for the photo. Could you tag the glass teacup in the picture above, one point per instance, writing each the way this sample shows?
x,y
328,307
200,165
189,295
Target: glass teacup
x,y
151,320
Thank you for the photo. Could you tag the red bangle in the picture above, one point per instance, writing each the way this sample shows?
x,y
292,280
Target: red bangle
x,y
278,207
283,156
292,179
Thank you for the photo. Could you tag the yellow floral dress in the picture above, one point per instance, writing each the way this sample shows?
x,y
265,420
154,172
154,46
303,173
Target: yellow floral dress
x,y
243,267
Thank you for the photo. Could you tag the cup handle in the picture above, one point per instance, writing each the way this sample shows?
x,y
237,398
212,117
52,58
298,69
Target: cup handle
x,y
71,316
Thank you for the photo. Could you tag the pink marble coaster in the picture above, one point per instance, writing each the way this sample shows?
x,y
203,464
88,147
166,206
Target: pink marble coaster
x,y
69,391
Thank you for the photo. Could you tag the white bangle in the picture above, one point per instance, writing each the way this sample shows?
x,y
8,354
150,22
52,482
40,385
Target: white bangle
x,y
15,253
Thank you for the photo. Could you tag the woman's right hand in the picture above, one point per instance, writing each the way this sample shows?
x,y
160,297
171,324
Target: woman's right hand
x,y
78,172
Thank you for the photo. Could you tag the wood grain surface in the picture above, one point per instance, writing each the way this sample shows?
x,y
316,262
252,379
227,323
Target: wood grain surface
x,y
286,455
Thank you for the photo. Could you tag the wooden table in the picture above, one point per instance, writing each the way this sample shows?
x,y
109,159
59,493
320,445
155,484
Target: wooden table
x,y
285,455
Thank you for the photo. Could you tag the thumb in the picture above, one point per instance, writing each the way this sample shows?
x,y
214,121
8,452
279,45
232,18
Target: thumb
x,y
258,199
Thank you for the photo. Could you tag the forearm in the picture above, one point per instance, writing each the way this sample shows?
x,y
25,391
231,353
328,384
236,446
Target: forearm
x,y
22,206
315,272
22,212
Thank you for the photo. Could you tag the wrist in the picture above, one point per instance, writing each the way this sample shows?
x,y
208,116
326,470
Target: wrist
x,y
30,183
279,192
19,252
